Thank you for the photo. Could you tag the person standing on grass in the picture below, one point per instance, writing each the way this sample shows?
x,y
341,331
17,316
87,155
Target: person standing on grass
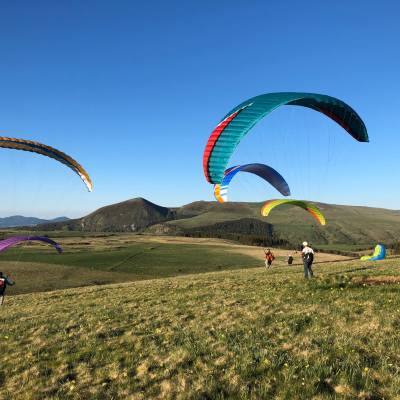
x,y
4,282
308,257
290,259
269,257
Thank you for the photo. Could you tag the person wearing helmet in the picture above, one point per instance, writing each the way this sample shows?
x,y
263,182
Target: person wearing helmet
x,y
4,282
308,257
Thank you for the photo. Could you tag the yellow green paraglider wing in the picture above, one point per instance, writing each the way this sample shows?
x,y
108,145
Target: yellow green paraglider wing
x,y
305,205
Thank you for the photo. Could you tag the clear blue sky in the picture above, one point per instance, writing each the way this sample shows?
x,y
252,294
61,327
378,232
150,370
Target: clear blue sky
x,y
133,89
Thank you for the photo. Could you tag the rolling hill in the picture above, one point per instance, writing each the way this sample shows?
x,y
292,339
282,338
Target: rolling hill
x,y
287,225
20,220
128,216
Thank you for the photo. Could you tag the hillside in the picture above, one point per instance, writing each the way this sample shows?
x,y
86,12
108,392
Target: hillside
x,y
287,225
20,220
244,334
345,224
128,216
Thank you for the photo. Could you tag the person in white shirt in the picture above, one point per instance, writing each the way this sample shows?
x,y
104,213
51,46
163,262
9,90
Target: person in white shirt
x,y
308,257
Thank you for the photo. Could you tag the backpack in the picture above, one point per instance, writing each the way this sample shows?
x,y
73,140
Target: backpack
x,y
309,257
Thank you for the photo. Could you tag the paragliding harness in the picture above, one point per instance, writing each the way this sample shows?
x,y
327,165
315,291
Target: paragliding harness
x,y
2,285
2,289
4,281
309,257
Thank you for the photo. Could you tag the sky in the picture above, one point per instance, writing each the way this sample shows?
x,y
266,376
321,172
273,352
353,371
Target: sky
x,y
132,90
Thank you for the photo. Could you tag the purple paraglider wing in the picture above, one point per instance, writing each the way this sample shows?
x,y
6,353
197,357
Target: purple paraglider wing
x,y
14,240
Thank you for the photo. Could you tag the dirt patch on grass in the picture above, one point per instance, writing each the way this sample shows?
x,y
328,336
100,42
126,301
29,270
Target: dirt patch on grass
x,y
377,280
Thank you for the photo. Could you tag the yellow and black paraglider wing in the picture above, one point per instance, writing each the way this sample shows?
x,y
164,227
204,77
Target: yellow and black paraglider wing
x,y
39,148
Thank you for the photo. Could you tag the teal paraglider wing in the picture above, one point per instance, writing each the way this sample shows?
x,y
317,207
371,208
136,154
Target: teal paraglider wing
x,y
237,123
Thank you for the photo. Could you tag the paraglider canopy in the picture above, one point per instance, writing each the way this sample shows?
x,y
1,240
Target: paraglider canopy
x,y
238,122
379,254
311,208
263,171
14,240
39,148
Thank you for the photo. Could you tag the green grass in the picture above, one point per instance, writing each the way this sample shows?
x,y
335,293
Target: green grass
x,y
163,258
40,268
244,334
38,277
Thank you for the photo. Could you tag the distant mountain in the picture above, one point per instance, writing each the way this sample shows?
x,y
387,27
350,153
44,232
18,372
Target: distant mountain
x,y
19,220
243,222
128,216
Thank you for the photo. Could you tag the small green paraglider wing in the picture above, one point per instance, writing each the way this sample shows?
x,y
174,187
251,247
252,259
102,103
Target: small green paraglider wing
x,y
379,254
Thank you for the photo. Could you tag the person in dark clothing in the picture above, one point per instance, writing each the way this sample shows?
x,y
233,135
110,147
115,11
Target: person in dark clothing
x,y
308,258
4,282
290,259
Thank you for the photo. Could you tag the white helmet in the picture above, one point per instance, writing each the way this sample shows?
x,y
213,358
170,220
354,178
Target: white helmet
x,y
305,244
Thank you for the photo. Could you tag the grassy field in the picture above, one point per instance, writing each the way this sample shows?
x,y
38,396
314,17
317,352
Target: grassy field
x,y
95,261
102,259
243,334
